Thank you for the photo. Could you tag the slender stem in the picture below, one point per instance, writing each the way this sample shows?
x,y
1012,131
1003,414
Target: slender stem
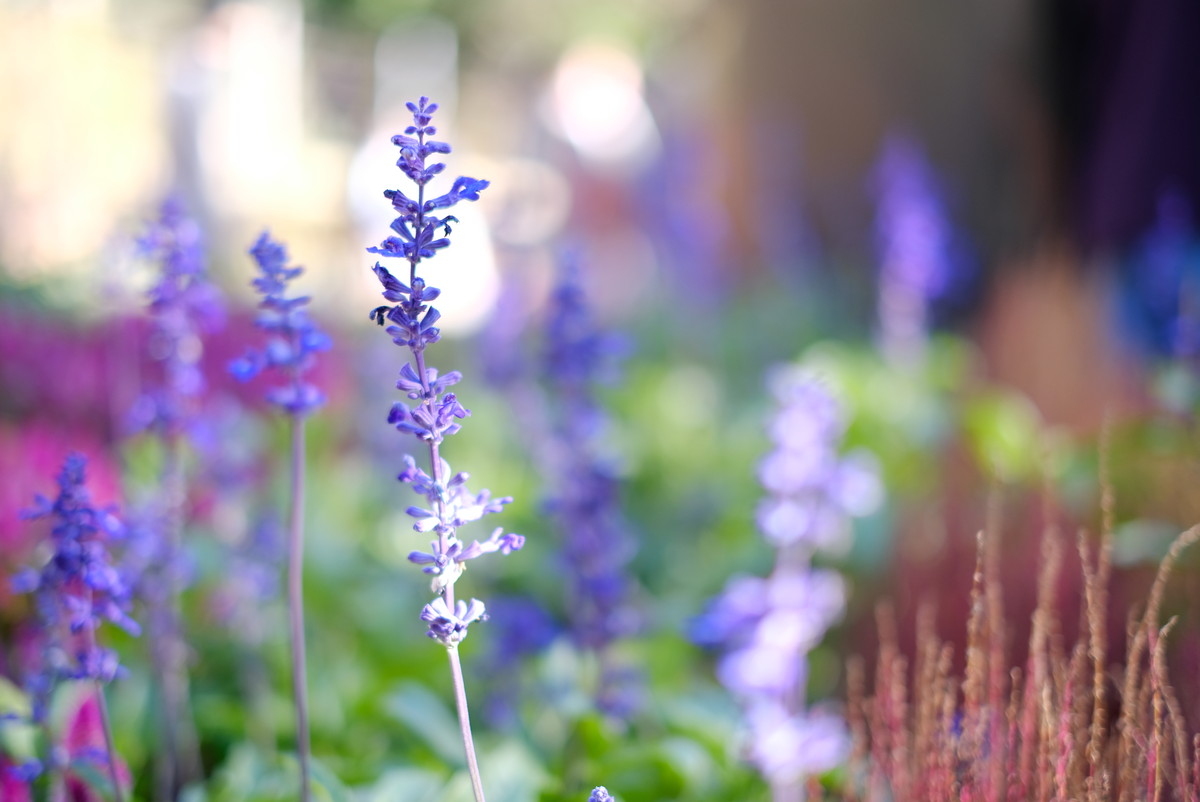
x,y
56,787
106,725
464,722
105,721
179,762
296,604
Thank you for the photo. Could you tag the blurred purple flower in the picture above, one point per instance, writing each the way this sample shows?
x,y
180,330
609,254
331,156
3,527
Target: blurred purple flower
x,y
293,339
767,627
1160,293
183,304
522,627
579,357
600,794
813,488
791,746
919,260
77,588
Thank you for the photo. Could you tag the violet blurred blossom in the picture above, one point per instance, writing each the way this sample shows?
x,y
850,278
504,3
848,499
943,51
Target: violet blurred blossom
x,y
523,627
585,494
766,627
789,748
813,488
431,413
77,588
600,794
585,500
293,339
1159,295
918,261
183,305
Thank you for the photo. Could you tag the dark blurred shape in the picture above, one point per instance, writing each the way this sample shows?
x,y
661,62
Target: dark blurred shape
x,y
1122,78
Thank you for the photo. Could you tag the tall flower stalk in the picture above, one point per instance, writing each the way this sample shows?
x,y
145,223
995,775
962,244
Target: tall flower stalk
x,y
767,626
596,544
434,414
183,306
915,246
293,341
76,590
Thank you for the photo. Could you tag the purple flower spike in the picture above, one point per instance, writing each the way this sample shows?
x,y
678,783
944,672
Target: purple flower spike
x,y
921,260
767,627
579,358
431,413
77,589
183,305
293,338
600,794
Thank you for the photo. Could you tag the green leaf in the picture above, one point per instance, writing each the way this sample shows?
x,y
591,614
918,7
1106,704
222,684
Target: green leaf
x,y
326,780
511,773
1006,433
416,707
13,701
94,776
1143,541
407,784
693,764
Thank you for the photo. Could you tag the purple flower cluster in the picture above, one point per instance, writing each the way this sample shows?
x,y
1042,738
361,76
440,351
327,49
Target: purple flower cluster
x,y
915,245
1160,296
600,794
78,588
432,413
813,488
767,626
596,545
293,338
183,304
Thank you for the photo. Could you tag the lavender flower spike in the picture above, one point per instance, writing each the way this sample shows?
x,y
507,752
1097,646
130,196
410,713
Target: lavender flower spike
x,y
915,246
600,794
432,414
184,304
77,590
767,627
294,340
597,547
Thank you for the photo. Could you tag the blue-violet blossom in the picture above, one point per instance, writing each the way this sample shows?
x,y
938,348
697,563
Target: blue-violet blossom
x,y
915,245
579,357
1160,293
293,337
183,304
432,413
78,588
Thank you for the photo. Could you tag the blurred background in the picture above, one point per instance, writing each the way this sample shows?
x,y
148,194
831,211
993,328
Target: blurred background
x,y
976,220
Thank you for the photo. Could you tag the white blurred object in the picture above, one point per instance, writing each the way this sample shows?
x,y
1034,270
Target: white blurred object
x,y
531,201
251,139
596,103
415,57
